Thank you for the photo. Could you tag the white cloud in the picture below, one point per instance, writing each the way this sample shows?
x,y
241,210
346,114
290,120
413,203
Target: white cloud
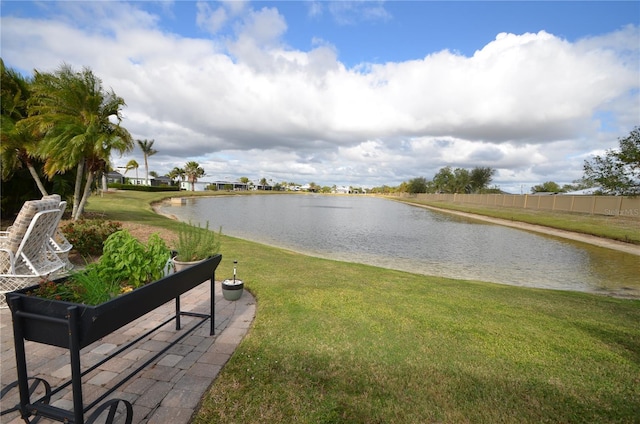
x,y
524,104
351,12
210,19
315,8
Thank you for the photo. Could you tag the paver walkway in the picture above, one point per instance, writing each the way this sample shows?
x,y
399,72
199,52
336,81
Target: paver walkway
x,y
166,391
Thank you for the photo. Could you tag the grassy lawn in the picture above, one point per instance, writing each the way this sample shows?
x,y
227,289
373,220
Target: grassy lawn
x,y
336,342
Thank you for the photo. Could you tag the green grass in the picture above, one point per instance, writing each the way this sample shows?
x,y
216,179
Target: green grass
x,y
135,206
621,228
335,342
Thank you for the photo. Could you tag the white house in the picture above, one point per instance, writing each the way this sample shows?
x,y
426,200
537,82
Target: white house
x,y
199,186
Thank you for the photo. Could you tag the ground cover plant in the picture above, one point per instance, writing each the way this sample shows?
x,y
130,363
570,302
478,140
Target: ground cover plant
x,y
338,342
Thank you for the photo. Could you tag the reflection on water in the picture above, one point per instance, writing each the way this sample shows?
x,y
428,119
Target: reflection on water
x,y
395,235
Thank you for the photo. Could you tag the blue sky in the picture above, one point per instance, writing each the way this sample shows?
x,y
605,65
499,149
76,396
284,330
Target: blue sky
x,y
352,93
414,29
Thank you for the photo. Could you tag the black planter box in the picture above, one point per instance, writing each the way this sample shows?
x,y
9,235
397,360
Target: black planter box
x,y
47,321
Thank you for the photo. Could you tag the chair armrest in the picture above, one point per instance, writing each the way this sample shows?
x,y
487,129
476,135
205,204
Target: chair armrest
x,y
7,262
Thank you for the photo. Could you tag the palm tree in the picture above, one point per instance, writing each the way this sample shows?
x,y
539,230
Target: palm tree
x,y
193,171
147,150
18,146
176,173
80,125
132,164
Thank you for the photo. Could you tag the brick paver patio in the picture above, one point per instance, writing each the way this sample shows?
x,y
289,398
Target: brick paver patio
x,y
166,391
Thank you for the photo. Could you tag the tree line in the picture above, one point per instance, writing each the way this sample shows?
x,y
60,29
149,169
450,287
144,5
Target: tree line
x,y
448,180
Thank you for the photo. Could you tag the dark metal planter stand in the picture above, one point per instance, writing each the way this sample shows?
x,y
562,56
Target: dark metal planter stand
x,y
76,324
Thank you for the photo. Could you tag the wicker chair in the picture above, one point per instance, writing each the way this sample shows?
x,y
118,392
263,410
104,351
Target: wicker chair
x,y
26,255
58,241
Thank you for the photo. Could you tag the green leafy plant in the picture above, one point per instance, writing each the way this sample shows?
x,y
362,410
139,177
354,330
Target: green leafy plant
x,y
88,235
126,264
196,243
130,262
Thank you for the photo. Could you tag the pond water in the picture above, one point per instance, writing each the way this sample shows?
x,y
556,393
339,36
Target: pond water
x,y
395,235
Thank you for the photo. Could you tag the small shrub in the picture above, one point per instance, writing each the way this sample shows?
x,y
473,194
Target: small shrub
x,y
88,235
196,243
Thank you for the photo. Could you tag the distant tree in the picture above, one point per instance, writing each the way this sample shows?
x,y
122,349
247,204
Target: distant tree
x,y
147,150
154,174
492,190
546,187
431,187
618,171
193,172
176,173
480,178
576,185
444,180
263,183
244,180
132,164
461,181
417,185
